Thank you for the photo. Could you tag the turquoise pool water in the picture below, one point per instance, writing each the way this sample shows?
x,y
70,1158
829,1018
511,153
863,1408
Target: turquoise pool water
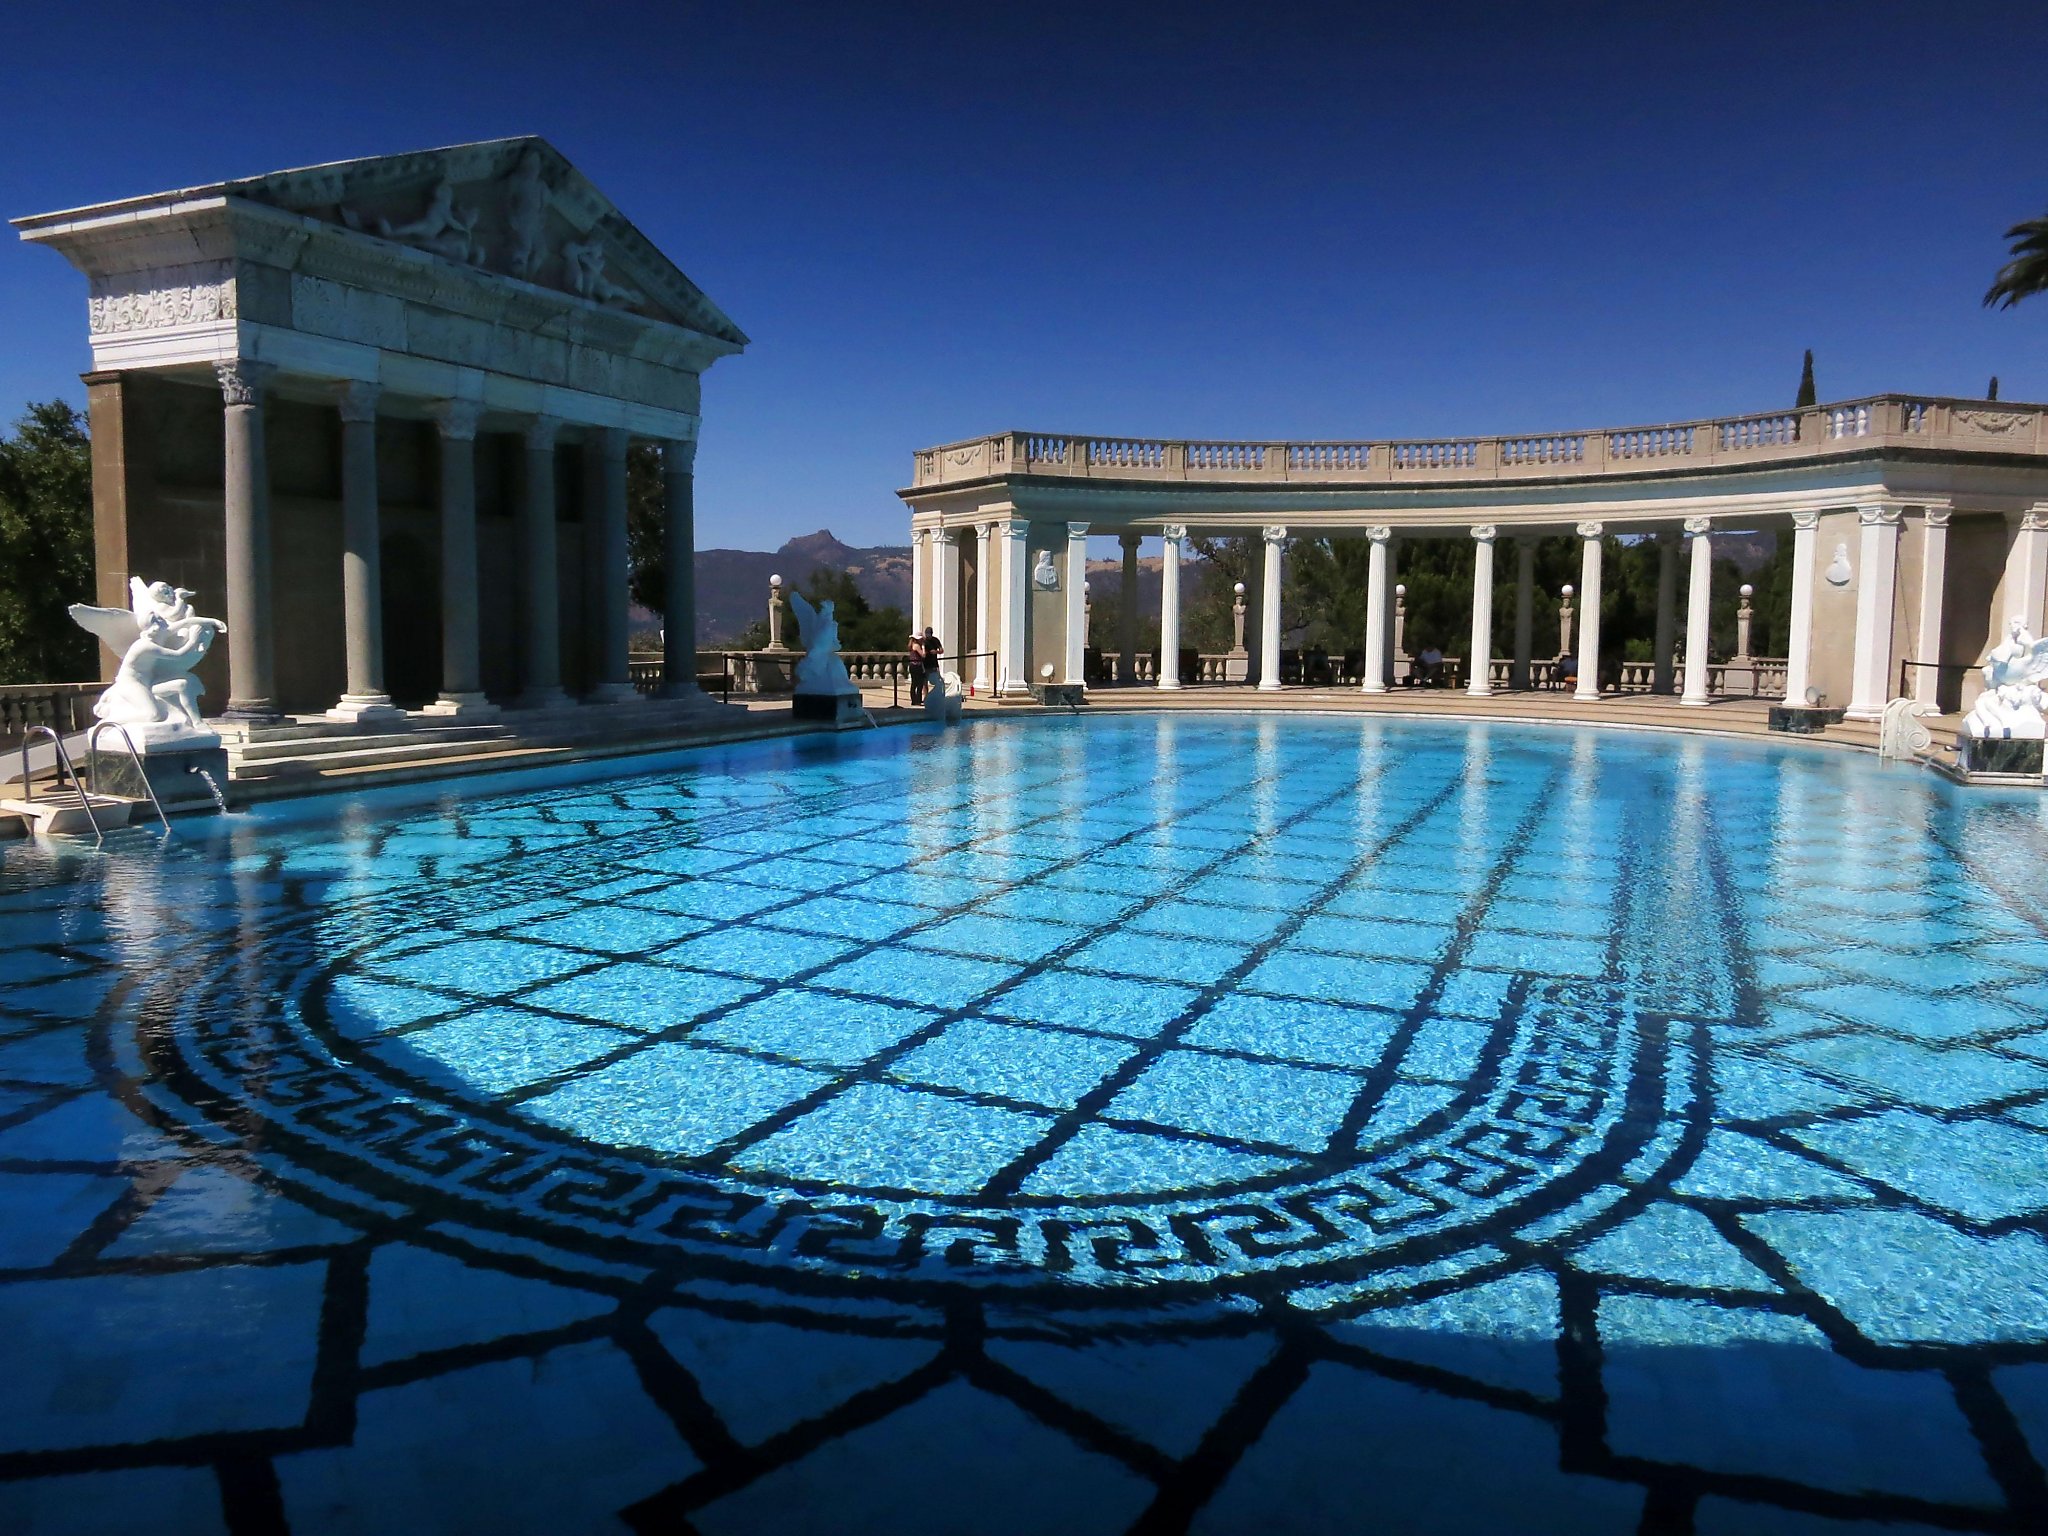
x,y
1116,1124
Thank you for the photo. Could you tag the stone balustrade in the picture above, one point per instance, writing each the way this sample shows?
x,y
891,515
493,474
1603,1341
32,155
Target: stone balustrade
x,y
1951,426
64,707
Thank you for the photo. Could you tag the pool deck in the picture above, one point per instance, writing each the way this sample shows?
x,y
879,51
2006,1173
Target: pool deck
x,y
326,763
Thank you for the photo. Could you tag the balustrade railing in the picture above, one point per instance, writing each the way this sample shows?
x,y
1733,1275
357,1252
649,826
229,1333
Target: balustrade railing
x,y
63,707
1962,426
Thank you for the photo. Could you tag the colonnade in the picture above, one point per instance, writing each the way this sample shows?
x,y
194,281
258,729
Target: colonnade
x,y
253,694
1879,528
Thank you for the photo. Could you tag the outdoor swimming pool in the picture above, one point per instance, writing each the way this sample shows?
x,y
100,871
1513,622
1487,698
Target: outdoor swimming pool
x,y
1051,1125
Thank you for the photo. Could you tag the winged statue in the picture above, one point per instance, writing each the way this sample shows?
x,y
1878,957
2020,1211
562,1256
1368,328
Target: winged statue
x,y
821,670
2014,702
159,640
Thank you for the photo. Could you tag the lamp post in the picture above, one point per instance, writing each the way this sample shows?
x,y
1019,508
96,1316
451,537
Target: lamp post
x,y
775,614
1400,621
1742,617
1564,623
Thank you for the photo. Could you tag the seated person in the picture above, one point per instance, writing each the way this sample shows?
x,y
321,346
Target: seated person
x,y
1429,666
1567,671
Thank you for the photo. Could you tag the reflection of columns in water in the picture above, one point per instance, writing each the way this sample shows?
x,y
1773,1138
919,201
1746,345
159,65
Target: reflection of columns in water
x,y
1368,809
1479,824
1268,769
1580,838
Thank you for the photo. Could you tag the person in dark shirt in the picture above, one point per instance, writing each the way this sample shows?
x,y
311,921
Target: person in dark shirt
x,y
915,655
1431,664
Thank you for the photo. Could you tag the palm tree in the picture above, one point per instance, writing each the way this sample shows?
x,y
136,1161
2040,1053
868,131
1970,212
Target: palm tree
x,y
2027,273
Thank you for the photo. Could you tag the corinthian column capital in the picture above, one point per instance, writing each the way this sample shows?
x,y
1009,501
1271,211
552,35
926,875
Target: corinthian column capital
x,y
242,380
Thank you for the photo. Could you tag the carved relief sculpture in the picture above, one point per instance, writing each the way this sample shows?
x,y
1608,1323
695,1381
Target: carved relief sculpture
x,y
443,228
585,259
1044,574
526,206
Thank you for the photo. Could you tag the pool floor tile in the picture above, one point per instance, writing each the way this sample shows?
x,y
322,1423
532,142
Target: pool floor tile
x,y
878,1136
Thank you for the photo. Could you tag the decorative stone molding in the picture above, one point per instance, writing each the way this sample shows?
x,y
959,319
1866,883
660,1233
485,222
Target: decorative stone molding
x,y
458,419
161,297
1130,541
1273,533
1887,516
1936,516
540,432
1698,526
1591,530
357,401
1483,532
1805,522
242,380
1077,531
1991,423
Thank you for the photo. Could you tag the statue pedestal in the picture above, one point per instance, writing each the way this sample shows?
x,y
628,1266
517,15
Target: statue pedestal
x,y
838,710
2005,756
175,762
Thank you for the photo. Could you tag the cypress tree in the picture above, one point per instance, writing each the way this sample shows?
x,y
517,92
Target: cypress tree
x,y
1807,396
1991,389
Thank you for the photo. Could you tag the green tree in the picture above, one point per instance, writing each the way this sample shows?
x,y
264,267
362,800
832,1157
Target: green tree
x,y
862,626
1807,394
643,527
2026,274
45,547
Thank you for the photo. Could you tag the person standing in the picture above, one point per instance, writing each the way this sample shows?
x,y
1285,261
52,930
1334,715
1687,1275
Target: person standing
x,y
915,656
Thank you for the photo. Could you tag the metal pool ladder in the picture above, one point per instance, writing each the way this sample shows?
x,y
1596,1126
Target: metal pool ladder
x,y
67,771
92,752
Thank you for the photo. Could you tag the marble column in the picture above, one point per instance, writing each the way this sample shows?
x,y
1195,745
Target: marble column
x,y
920,575
1799,643
1378,537
462,689
252,683
362,602
1275,538
606,565
1076,578
1933,579
945,611
1525,612
984,581
1014,665
1589,612
1877,571
2026,575
538,622
679,569
1169,608
1667,612
1127,615
1479,657
1699,594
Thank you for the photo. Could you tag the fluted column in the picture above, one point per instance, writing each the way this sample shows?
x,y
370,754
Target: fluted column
x,y
605,566
984,581
1799,643
1698,601
362,601
920,568
1589,612
1168,677
1933,581
1525,611
1077,601
462,689
1014,665
538,622
1877,570
1667,612
1479,660
679,569
1378,537
1275,538
252,683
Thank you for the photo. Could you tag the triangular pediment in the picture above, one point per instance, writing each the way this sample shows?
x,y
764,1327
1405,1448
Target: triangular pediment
x,y
513,207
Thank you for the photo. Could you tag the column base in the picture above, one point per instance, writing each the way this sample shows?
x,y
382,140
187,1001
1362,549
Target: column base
x,y
1692,703
685,692
1372,687
1479,693
1584,697
461,706
366,708
551,697
1864,712
1168,685
1268,687
613,693
252,712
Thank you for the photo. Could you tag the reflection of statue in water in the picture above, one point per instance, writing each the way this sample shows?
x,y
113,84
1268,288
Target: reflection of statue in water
x,y
2013,703
821,670
160,641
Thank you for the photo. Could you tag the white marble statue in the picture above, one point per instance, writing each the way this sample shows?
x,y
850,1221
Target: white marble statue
x,y
820,670
160,640
943,697
1044,574
2014,702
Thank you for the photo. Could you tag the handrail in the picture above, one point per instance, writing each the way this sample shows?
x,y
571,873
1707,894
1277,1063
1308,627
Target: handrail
x,y
92,752
28,783
895,679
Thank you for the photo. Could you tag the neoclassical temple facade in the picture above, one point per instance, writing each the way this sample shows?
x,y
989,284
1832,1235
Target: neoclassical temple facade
x,y
380,411
1919,529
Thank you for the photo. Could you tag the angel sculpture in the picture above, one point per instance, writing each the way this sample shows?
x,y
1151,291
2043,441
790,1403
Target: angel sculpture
x,y
160,640
821,670
2013,703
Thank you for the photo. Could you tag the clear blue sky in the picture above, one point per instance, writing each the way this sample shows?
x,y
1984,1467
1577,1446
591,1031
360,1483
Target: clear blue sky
x,y
1245,221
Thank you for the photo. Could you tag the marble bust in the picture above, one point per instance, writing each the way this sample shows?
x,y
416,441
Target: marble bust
x,y
1044,574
